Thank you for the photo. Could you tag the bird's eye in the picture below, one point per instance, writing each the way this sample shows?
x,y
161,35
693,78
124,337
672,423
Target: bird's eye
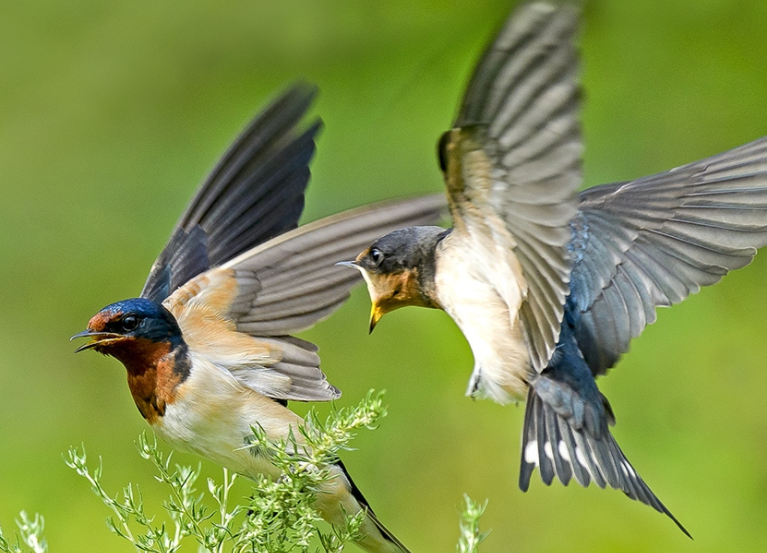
x,y
376,256
444,140
130,322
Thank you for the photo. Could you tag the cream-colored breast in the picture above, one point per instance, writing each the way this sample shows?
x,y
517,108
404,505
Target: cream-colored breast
x,y
481,292
212,417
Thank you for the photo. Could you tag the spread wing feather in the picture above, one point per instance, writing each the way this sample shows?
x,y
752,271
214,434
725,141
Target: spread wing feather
x,y
513,160
291,282
235,257
255,192
653,241
286,285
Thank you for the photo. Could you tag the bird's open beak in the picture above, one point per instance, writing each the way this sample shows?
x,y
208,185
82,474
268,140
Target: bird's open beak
x,y
375,310
375,315
351,264
99,338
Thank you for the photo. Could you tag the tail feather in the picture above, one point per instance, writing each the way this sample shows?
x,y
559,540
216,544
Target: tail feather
x,y
393,545
386,533
558,449
552,430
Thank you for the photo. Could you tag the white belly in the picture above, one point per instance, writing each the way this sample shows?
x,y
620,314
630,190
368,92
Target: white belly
x,y
483,298
212,417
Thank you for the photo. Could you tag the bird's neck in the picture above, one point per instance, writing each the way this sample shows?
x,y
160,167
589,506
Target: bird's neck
x,y
426,284
427,272
155,370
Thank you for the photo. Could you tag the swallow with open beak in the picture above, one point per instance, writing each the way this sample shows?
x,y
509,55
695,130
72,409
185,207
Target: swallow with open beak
x,y
549,286
208,346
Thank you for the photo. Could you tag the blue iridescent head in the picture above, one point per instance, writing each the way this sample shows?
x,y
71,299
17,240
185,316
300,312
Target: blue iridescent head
x,y
128,321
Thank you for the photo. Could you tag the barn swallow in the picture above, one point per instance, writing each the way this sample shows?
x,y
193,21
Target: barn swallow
x,y
549,286
208,346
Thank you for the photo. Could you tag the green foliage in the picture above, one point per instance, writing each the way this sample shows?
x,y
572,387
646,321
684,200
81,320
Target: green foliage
x,y
471,537
29,538
279,516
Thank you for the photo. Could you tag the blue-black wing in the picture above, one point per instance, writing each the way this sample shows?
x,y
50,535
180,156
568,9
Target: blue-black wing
x,y
653,241
254,193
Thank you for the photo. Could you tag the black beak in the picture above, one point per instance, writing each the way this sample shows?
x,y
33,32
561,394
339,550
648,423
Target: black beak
x,y
98,338
351,264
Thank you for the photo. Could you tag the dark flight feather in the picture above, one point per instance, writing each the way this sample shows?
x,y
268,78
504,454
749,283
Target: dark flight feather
x,y
520,111
255,192
291,282
653,241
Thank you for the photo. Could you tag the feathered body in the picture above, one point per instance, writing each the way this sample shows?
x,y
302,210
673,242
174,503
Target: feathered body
x,y
548,285
484,302
208,347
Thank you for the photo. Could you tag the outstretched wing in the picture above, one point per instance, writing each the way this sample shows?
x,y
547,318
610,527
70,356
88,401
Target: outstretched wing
x,y
513,161
286,285
255,192
291,282
653,241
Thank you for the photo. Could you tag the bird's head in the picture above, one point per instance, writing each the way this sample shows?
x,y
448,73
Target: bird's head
x,y
134,331
399,270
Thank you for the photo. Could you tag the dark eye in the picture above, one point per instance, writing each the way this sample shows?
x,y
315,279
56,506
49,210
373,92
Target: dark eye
x,y
444,140
376,256
130,322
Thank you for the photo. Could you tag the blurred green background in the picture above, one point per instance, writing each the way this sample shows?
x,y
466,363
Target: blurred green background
x,y
112,112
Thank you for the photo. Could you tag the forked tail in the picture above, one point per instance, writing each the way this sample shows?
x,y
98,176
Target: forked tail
x,y
589,452
377,538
